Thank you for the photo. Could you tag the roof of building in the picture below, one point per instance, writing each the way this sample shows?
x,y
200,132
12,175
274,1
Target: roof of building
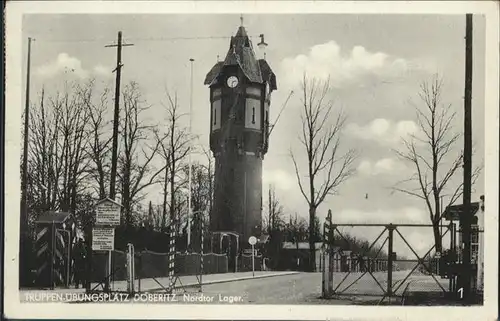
x,y
213,73
53,217
454,212
301,245
241,54
108,200
267,74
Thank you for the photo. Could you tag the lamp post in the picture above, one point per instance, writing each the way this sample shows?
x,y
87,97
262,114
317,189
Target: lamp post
x,y
190,152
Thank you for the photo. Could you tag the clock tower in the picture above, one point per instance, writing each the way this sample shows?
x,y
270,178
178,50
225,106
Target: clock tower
x,y
240,95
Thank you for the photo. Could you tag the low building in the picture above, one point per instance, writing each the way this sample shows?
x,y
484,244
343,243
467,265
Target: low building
x,y
296,255
453,214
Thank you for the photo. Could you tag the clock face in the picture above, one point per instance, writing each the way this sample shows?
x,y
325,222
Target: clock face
x,y
232,82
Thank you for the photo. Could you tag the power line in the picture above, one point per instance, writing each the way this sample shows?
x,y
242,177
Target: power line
x,y
279,114
136,39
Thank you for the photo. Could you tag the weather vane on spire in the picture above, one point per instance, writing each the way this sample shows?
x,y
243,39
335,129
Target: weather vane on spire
x,y
241,19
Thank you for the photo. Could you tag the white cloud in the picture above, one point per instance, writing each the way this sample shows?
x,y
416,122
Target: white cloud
x,y
102,70
344,68
383,216
384,131
382,166
280,179
66,64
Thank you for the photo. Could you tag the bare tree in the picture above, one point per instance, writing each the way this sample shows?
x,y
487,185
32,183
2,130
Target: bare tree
x,y
274,218
211,179
152,219
433,156
200,187
201,198
99,139
327,167
135,163
174,147
72,159
296,229
57,160
43,179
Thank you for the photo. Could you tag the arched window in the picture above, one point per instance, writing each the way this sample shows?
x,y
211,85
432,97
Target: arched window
x,y
253,115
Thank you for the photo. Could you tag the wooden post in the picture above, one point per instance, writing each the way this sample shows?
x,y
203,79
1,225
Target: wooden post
x,y
390,228
116,118
467,181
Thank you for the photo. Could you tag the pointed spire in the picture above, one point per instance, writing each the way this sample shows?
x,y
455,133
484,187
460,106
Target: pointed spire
x,y
241,20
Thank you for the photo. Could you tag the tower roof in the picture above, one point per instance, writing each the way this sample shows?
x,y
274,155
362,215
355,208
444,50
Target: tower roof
x,y
241,53
241,32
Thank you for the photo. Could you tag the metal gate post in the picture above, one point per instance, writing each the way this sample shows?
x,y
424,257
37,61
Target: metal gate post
x,y
330,272
324,278
390,228
450,255
454,256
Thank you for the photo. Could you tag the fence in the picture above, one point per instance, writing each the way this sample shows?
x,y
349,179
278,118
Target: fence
x,y
245,263
168,271
346,273
151,265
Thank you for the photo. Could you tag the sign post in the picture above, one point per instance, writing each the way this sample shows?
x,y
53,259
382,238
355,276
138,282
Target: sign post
x,y
253,240
103,234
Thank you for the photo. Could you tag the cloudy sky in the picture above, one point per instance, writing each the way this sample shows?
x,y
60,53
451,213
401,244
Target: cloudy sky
x,y
375,63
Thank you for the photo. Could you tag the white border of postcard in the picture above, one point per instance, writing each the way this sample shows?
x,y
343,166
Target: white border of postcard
x,y
13,101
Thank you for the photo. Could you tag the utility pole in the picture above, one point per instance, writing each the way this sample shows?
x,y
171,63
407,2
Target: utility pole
x,y
116,119
189,156
116,122
467,169
24,181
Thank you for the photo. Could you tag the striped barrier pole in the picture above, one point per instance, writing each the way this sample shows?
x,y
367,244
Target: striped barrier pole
x,y
171,259
201,251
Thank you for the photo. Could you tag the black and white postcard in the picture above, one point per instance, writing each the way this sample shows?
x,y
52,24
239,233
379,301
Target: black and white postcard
x,y
251,160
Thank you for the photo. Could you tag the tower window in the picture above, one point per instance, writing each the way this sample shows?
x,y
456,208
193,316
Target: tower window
x,y
215,116
267,117
253,115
